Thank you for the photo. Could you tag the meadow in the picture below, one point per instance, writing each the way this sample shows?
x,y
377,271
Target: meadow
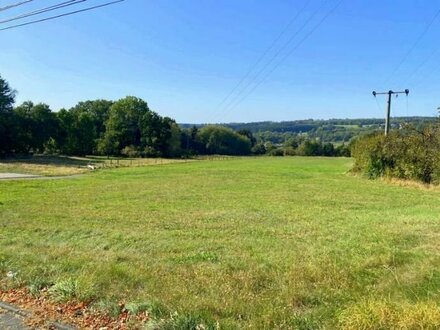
x,y
252,242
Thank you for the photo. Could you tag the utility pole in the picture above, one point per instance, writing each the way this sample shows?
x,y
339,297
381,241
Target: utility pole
x,y
388,112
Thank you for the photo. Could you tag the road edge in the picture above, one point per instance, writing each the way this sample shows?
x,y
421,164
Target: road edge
x,y
23,313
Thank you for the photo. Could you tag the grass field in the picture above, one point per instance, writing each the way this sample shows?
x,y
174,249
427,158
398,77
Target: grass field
x,y
285,242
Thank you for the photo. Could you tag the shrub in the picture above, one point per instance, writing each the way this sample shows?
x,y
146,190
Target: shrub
x,y
406,154
276,152
259,149
343,150
130,151
289,151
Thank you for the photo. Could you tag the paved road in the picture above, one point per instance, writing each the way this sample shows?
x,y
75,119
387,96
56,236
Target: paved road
x,y
9,321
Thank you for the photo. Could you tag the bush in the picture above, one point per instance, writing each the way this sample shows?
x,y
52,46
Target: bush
x,y
131,151
405,154
289,151
276,152
259,149
343,150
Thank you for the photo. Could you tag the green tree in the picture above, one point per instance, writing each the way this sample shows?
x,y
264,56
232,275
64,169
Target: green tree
x,y
78,133
7,99
24,127
328,149
224,141
259,149
309,148
173,147
44,126
155,132
123,127
133,127
247,133
35,125
99,111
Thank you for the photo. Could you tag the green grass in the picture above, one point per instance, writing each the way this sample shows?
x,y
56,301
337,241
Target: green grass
x,y
249,242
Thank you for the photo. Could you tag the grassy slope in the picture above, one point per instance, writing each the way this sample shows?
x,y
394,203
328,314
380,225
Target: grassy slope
x,y
268,242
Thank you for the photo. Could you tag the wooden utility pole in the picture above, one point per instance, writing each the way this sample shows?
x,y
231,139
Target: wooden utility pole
x,y
388,112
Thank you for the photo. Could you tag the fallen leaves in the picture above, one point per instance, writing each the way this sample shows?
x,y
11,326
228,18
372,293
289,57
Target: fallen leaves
x,y
45,311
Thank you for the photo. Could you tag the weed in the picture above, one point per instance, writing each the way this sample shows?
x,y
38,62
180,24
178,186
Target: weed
x,y
64,290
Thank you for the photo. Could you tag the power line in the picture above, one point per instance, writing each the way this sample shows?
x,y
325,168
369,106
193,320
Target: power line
x,y
289,53
263,55
417,69
278,52
61,15
15,5
43,10
429,74
411,49
378,105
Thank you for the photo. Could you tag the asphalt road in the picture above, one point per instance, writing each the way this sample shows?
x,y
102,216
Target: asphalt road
x,y
9,321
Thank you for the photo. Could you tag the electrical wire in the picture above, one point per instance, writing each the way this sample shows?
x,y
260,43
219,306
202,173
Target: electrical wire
x,y
61,15
323,19
422,78
277,53
417,69
15,5
378,106
43,10
263,55
415,44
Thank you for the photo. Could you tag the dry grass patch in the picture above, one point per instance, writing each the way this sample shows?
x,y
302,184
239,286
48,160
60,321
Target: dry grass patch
x,y
376,315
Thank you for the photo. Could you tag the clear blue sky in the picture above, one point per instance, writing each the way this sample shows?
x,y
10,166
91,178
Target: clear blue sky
x,y
183,57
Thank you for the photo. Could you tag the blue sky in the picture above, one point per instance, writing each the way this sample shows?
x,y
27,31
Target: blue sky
x,y
183,57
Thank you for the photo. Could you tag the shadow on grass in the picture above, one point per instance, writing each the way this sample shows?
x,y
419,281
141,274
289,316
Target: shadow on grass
x,y
51,160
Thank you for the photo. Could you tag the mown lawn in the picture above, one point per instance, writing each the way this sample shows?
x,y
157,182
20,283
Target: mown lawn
x,y
249,242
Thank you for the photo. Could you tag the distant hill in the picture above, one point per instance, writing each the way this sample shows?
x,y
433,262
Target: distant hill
x,y
329,130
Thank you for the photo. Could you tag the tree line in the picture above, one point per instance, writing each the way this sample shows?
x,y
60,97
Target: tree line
x,y
336,131
127,127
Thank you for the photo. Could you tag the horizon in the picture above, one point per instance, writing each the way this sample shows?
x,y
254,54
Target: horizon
x,y
311,119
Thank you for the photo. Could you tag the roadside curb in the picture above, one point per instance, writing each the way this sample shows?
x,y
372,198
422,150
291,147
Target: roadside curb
x,y
18,311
